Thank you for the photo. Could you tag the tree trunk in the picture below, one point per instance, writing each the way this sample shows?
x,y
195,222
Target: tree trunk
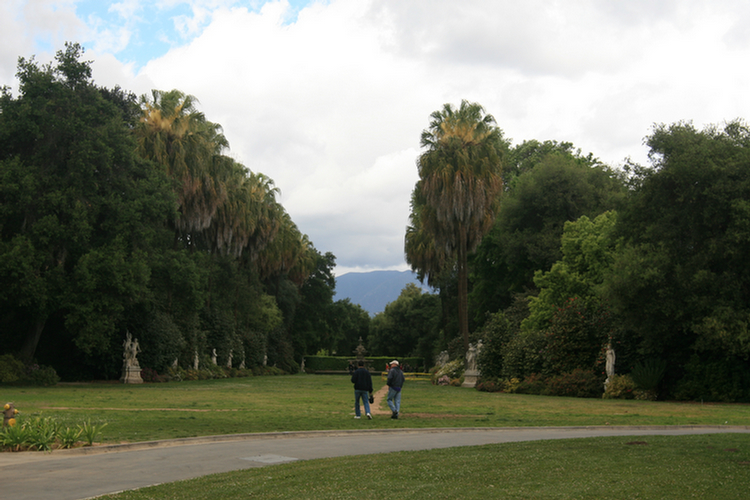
x,y
463,289
32,338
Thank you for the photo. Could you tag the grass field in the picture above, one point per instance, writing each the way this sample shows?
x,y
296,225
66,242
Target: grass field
x,y
707,466
321,402
656,467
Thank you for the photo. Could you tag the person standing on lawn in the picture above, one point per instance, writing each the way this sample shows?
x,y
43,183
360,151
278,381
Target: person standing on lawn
x,y
362,381
395,382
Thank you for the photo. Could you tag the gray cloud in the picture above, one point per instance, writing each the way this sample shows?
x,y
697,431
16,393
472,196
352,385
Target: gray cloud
x,y
331,105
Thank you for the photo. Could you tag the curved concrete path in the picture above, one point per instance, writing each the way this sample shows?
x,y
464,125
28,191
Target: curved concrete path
x,y
89,472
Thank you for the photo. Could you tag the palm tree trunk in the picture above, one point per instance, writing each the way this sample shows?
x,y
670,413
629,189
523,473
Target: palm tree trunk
x,y
463,289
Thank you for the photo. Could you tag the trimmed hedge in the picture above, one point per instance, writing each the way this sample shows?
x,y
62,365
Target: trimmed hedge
x,y
341,363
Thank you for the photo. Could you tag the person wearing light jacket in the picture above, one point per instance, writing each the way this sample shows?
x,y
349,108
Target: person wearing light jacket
x,y
395,382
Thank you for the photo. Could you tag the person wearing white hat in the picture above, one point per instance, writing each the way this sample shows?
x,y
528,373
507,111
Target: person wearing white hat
x,y
395,382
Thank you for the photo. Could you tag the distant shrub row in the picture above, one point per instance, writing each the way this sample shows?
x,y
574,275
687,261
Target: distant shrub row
x,y
341,363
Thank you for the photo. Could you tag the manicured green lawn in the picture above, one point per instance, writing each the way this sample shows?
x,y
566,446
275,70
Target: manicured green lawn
x,y
707,467
323,402
654,467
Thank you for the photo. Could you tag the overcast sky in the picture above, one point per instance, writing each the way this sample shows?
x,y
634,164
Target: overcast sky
x,y
329,98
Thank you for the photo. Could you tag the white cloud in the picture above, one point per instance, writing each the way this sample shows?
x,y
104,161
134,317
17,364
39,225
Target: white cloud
x,y
331,103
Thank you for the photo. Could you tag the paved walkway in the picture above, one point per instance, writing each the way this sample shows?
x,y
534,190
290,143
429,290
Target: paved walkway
x,y
89,472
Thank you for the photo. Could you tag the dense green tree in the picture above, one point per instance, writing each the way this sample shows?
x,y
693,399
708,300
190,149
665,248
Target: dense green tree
x,y
409,326
79,211
588,249
349,323
456,197
681,285
312,327
554,186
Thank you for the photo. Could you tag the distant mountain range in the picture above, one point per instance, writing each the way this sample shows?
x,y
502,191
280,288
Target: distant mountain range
x,y
374,290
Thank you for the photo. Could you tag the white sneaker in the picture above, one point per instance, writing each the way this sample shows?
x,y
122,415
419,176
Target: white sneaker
x,y
369,417
356,416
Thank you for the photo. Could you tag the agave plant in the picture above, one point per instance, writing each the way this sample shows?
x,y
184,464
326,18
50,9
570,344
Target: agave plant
x,y
68,437
42,433
648,374
14,437
90,431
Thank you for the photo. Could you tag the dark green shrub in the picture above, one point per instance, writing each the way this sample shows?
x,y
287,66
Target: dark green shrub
x,y
533,384
575,338
161,342
648,374
494,334
620,387
11,369
577,383
722,380
490,384
522,355
42,375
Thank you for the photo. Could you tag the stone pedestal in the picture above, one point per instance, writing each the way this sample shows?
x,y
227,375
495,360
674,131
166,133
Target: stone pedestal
x,y
131,375
470,378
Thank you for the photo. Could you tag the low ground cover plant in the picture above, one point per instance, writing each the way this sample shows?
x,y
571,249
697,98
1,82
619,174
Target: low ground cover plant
x,y
46,434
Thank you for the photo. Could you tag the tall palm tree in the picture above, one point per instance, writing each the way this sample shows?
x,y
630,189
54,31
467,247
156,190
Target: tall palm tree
x,y
456,198
173,133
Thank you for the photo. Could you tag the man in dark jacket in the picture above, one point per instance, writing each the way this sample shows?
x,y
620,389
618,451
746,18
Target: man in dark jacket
x,y
395,382
362,381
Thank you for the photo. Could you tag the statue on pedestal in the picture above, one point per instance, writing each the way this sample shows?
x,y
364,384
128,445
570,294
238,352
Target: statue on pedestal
x,y
131,370
472,371
610,366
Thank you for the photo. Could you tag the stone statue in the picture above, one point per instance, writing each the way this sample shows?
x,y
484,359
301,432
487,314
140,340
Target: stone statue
x,y
472,371
130,351
610,366
196,360
360,351
131,370
229,361
471,358
213,356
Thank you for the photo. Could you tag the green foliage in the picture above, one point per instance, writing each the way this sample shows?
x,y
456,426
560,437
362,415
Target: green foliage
x,y
14,437
714,379
90,432
522,355
11,369
577,383
68,437
550,184
648,374
409,326
575,337
493,384
588,252
495,334
620,387
42,433
161,341
41,375
679,286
